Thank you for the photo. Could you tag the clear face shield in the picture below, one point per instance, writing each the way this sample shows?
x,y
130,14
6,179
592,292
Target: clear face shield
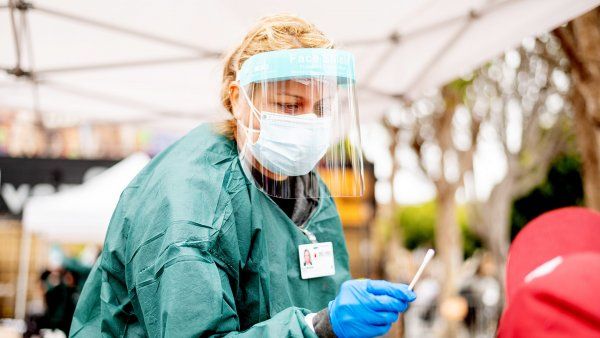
x,y
298,121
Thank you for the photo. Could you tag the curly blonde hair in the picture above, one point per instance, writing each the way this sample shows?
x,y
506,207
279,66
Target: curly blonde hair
x,y
275,32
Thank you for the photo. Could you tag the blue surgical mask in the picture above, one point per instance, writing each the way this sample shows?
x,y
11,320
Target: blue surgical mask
x,y
289,145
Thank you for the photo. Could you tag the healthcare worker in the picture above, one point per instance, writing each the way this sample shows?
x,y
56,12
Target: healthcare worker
x,y
209,238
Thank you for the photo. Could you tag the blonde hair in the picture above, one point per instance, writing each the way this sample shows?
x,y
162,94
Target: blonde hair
x,y
275,32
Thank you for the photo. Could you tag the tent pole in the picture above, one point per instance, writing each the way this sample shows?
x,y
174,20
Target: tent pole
x,y
124,64
103,97
23,277
383,58
17,40
139,34
442,51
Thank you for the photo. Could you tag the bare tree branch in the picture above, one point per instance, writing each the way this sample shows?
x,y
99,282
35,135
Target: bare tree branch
x,y
567,41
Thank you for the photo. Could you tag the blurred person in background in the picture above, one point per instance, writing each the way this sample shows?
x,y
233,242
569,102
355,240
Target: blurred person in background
x,y
209,238
61,285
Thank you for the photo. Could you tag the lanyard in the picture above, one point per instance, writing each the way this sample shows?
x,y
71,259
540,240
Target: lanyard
x,y
310,235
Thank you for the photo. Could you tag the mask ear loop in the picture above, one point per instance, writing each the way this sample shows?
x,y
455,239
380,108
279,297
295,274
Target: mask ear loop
x,y
248,129
253,108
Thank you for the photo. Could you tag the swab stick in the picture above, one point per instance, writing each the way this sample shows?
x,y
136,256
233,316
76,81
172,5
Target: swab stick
x,y
428,257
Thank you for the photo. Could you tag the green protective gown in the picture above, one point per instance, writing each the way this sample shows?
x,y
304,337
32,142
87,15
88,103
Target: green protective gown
x,y
195,249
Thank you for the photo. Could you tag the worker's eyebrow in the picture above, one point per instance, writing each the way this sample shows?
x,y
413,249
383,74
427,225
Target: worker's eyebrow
x,y
288,94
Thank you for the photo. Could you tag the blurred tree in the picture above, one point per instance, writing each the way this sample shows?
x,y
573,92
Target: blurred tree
x,y
386,248
563,187
385,237
426,129
446,165
580,39
516,102
417,224
522,99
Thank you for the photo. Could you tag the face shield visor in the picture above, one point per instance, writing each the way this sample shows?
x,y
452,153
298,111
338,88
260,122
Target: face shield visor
x,y
298,121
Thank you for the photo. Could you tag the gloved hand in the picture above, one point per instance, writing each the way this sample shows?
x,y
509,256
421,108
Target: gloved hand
x,y
368,308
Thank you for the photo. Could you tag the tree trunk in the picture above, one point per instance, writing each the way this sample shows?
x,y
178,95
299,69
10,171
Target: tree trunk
x,y
448,240
496,218
449,245
581,42
588,141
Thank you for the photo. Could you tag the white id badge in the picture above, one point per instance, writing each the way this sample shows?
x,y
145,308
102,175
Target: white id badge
x,y
316,260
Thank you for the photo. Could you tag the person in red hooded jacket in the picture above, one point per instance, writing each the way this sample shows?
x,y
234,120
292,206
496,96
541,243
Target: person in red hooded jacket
x,y
553,277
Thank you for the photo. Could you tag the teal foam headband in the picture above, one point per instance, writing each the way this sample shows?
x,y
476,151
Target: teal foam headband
x,y
298,63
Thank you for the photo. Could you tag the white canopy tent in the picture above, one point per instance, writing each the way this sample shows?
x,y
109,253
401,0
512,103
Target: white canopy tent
x,y
80,214
158,62
153,61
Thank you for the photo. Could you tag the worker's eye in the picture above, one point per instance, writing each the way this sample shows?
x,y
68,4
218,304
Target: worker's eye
x,y
288,108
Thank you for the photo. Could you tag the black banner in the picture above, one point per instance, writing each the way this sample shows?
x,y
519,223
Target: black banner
x,y
19,178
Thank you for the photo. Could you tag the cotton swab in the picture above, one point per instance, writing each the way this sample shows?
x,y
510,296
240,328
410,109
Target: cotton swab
x,y
428,257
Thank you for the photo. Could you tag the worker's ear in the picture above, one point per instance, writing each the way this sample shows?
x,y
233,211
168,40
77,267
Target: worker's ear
x,y
234,96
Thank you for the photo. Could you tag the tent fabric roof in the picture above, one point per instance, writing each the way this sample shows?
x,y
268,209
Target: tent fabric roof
x,y
151,60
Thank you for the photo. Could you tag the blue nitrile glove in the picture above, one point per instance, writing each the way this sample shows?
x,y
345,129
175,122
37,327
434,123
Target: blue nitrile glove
x,y
368,308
